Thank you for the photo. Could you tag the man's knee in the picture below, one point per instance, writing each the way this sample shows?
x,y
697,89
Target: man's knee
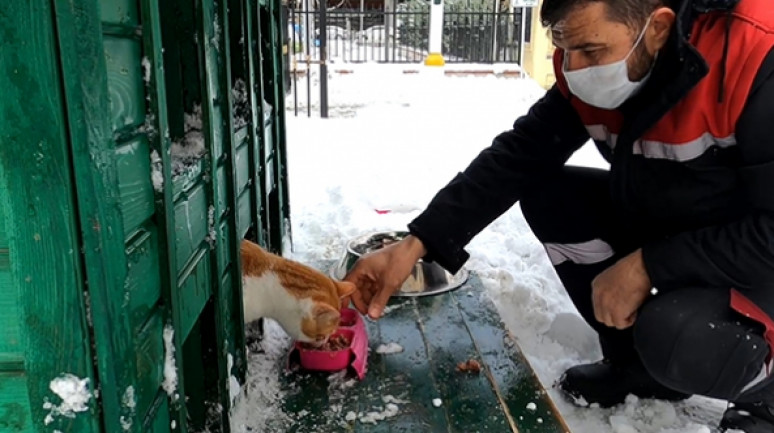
x,y
567,204
535,209
689,341
542,207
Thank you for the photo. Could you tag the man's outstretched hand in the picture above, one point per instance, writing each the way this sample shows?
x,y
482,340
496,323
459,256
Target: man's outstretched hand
x,y
380,274
620,290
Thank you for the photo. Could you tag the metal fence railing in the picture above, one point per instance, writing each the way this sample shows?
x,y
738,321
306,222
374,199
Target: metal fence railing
x,y
353,36
400,35
482,37
319,36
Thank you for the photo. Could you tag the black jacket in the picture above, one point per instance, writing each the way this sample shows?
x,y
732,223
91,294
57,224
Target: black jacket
x,y
719,236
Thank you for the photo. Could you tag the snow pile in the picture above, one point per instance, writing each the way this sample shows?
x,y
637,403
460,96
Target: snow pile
x,y
636,416
390,308
184,153
170,367
128,401
378,413
217,31
126,423
74,393
372,417
212,232
187,151
259,409
339,383
389,348
234,389
146,70
157,176
241,104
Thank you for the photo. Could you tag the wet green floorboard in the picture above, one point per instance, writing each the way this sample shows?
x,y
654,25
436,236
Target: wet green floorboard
x,y
436,333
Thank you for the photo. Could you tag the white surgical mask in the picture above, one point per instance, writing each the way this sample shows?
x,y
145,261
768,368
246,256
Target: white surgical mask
x,y
605,86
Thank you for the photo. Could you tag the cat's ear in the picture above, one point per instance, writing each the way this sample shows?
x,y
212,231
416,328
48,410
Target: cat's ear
x,y
324,314
345,288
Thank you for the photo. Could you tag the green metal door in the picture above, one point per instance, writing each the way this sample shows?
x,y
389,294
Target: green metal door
x,y
44,334
132,161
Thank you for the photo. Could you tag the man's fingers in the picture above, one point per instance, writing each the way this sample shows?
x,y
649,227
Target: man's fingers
x,y
607,319
618,323
359,277
632,318
629,321
378,303
360,304
355,274
368,296
603,314
368,275
622,320
598,313
603,311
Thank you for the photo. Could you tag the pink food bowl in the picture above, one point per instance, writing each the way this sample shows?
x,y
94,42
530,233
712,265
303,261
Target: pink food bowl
x,y
349,318
352,339
328,360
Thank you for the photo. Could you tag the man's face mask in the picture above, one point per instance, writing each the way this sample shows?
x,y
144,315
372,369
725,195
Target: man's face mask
x,y
605,86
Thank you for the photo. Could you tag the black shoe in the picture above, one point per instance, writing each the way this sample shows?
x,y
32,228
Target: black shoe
x,y
607,384
749,418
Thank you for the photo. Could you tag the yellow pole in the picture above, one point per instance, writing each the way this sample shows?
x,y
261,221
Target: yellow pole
x,y
435,56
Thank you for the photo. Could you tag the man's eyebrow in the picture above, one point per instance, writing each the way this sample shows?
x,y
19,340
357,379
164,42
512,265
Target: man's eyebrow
x,y
585,46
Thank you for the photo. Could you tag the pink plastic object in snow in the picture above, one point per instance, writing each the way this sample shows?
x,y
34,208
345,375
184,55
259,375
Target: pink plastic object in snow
x,y
351,327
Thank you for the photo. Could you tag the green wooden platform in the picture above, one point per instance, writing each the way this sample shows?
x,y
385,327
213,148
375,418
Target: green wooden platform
x,y
436,334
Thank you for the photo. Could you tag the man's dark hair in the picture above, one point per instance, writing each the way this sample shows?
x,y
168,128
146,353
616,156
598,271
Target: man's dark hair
x,y
630,12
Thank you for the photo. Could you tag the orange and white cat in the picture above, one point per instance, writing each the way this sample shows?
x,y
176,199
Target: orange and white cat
x,y
303,300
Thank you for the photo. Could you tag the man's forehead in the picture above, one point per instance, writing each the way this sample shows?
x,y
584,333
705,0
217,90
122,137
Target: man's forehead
x,y
584,24
566,29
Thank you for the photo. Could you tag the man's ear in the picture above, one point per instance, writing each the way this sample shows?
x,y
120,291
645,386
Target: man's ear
x,y
345,288
657,34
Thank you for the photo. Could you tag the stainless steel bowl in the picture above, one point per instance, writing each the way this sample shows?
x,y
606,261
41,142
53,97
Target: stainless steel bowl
x,y
426,279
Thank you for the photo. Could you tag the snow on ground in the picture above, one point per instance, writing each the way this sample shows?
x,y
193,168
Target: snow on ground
x,y
392,141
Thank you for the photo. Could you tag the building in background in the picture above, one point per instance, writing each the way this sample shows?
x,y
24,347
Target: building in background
x,y
538,52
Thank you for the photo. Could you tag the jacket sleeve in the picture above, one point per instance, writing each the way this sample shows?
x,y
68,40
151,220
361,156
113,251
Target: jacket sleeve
x,y
740,254
540,142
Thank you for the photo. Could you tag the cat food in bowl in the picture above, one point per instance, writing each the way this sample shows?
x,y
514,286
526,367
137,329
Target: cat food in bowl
x,y
426,278
334,355
335,343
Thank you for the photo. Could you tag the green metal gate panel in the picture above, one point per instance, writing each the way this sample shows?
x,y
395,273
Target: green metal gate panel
x,y
10,334
43,323
275,182
98,98
15,412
